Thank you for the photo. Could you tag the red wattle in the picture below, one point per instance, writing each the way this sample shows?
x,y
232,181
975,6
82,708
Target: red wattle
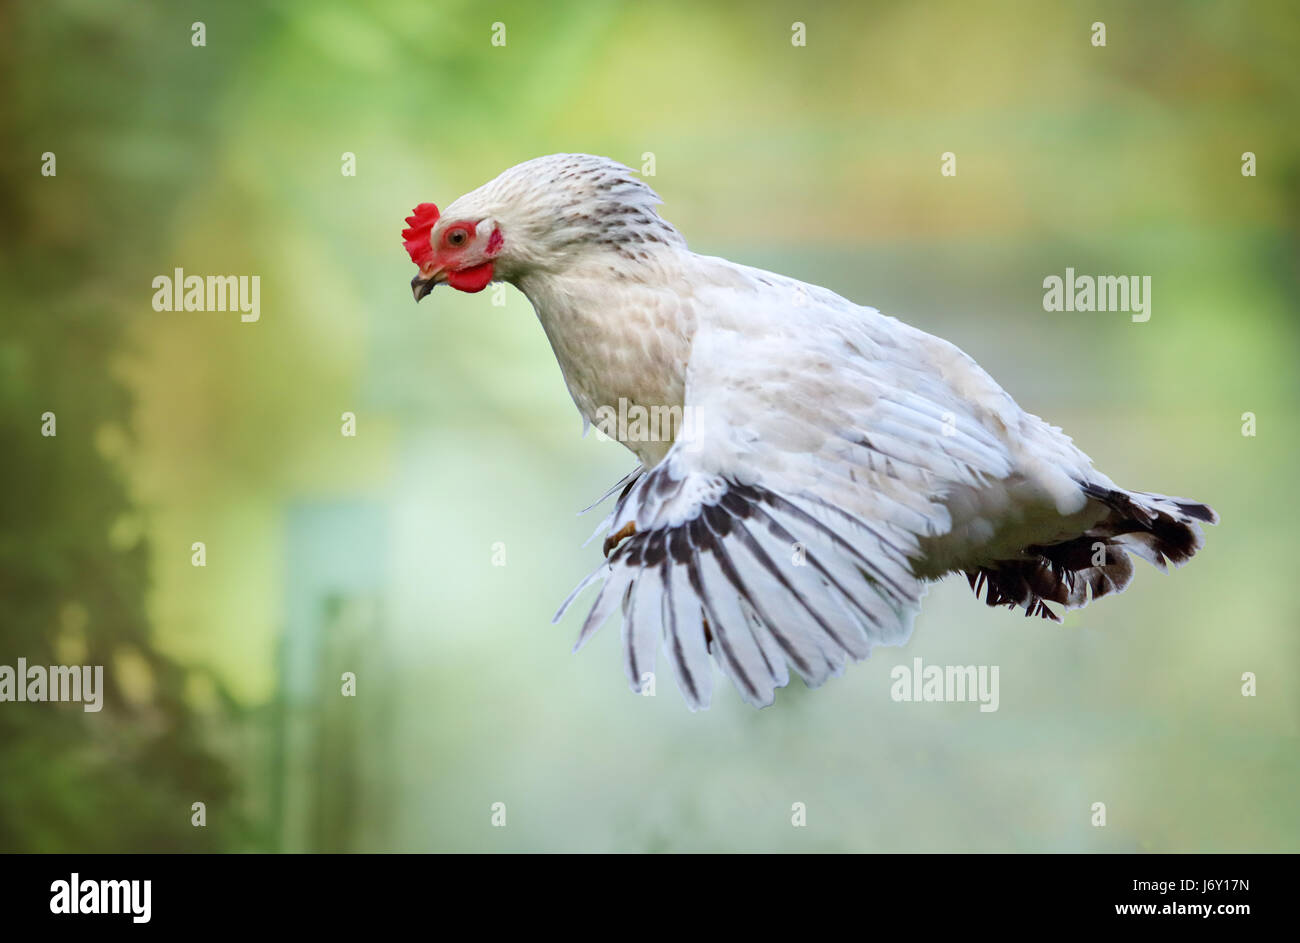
x,y
471,279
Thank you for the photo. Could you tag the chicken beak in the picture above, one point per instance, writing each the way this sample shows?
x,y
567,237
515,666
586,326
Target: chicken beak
x,y
421,286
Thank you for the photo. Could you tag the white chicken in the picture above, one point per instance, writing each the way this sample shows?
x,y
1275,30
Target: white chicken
x,y
834,458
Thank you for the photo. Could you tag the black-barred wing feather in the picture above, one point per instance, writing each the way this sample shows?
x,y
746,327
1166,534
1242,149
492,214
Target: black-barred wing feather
x,y
757,580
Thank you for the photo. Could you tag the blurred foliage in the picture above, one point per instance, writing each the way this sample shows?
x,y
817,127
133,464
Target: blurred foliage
x,y
372,554
74,558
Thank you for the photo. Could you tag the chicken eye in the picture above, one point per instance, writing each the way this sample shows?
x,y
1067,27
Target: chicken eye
x,y
457,237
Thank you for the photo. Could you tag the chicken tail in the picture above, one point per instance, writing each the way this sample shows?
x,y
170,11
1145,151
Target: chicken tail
x,y
1071,573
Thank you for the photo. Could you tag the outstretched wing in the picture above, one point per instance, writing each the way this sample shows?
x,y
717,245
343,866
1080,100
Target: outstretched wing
x,y
780,530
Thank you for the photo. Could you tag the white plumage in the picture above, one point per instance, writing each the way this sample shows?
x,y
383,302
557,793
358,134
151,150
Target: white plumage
x,y
837,457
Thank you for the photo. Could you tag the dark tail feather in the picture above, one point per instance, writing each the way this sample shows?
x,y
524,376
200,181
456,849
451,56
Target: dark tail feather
x,y
1157,528
1161,526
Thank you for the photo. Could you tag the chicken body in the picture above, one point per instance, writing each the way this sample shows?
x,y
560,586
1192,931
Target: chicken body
x,y
830,460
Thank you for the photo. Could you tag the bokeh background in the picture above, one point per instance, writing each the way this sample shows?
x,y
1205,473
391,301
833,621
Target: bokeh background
x,y
374,554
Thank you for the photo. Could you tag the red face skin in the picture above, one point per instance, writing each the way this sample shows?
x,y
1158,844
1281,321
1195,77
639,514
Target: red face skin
x,y
457,251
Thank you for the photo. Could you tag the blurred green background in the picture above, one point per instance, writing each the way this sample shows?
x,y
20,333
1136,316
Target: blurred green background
x,y
374,553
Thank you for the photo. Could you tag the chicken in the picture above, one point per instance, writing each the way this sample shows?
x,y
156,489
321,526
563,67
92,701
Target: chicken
x,y
819,461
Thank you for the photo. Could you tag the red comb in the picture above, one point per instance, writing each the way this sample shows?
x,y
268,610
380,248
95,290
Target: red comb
x,y
416,236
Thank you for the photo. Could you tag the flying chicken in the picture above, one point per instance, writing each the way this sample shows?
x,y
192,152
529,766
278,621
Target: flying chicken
x,y
835,458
